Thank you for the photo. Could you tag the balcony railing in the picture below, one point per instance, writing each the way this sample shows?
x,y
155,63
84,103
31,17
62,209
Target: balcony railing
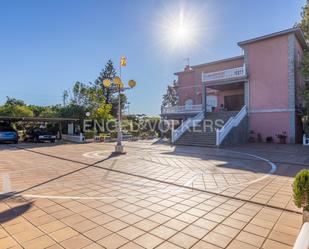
x,y
225,74
182,109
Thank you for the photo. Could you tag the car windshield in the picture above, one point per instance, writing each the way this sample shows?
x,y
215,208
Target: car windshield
x,y
6,129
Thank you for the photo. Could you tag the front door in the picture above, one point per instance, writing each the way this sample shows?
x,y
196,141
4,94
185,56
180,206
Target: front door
x,y
234,102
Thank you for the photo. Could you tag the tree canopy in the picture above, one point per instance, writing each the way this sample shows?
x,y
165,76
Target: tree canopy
x,y
170,98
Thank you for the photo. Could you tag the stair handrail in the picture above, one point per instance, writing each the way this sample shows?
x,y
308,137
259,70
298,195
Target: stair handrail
x,y
190,122
230,124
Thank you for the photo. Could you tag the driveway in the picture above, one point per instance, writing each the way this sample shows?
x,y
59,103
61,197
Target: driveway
x,y
155,196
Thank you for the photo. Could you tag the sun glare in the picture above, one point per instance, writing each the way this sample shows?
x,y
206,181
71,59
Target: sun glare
x,y
179,29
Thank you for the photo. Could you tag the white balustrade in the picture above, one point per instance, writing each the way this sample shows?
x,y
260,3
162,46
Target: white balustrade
x,y
186,125
230,124
182,109
224,74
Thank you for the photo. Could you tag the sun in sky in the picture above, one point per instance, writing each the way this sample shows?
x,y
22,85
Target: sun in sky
x,y
179,29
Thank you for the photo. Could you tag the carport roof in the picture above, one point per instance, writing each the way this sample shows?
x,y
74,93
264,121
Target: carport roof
x,y
37,119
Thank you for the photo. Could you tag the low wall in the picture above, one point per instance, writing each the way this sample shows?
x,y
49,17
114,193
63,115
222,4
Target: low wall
x,y
238,135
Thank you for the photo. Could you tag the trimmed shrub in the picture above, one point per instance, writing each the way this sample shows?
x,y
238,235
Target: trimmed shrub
x,y
301,189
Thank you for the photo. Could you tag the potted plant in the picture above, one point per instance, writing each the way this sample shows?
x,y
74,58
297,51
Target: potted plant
x,y
269,140
301,192
282,137
252,137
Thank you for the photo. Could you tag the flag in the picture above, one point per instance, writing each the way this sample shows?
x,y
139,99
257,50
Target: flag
x,y
123,61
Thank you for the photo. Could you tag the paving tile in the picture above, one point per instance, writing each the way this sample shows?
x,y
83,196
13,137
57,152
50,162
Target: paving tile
x,y
115,225
63,234
148,241
130,232
203,245
168,245
97,233
261,231
217,239
76,242
7,242
146,225
39,243
250,238
236,244
183,240
52,226
131,245
270,244
226,230
112,241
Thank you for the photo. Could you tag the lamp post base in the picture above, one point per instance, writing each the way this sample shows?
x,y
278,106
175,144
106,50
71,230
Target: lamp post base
x,y
119,149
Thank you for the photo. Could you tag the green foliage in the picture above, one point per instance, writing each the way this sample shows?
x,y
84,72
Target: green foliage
x,y
15,108
304,23
170,98
89,134
102,112
301,189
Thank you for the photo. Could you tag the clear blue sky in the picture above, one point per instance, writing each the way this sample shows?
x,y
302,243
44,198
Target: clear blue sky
x,y
45,46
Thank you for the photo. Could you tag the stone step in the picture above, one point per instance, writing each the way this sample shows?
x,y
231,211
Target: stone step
x,y
202,134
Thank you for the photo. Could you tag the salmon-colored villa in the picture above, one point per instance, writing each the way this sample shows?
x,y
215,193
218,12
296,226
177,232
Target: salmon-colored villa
x,y
257,92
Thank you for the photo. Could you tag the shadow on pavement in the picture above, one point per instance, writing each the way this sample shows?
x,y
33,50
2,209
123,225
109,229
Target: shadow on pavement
x,y
14,212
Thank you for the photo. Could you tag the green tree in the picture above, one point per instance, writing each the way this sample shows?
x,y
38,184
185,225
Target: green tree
x,y
15,108
170,98
109,72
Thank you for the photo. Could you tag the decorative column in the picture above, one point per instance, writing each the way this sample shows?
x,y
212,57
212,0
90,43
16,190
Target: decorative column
x,y
204,97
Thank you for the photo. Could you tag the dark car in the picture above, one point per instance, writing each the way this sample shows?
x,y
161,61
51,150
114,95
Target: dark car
x,y
40,135
8,134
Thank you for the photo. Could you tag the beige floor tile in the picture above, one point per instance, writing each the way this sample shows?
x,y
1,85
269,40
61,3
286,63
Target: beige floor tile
x,y
236,244
39,243
130,232
97,233
112,241
52,226
7,242
250,238
148,241
163,232
217,239
63,234
76,242
203,245
270,244
168,245
183,240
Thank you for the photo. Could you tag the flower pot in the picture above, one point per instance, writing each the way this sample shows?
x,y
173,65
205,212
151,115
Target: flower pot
x,y
305,216
282,140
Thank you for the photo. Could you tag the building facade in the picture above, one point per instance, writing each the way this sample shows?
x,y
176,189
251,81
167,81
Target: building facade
x,y
266,79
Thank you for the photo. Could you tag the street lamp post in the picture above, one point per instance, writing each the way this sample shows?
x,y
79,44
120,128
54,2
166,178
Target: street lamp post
x,y
119,148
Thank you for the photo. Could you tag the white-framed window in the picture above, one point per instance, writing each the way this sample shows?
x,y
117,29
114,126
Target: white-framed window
x,y
188,104
212,101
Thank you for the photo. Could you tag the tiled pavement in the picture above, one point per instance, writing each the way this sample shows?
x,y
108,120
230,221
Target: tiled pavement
x,y
155,196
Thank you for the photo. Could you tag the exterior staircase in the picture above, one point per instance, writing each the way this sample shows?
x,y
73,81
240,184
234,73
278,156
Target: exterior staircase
x,y
204,134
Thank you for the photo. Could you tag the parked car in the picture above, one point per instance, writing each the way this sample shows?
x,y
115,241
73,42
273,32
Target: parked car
x,y
8,134
39,135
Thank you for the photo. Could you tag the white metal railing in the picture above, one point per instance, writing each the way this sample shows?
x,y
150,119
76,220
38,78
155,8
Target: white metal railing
x,y
190,122
302,241
230,124
182,109
224,74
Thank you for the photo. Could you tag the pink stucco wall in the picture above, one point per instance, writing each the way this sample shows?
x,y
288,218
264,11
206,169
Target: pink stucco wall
x,y
268,86
270,124
190,81
268,73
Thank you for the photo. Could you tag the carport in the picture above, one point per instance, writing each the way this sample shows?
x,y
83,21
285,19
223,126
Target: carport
x,y
71,123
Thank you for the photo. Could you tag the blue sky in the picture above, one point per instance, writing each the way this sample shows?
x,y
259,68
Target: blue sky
x,y
45,46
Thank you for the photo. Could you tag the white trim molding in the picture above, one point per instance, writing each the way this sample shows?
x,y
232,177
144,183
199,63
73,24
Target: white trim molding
x,y
271,110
